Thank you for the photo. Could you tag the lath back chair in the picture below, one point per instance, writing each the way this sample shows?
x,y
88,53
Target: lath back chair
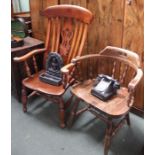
x,y
67,27
121,64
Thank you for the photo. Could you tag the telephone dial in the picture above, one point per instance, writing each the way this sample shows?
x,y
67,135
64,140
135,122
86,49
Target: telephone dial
x,y
105,87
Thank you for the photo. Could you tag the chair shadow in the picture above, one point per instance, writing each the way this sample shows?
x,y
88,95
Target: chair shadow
x,y
44,111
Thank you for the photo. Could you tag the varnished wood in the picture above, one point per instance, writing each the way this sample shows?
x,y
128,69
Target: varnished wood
x,y
85,30
71,11
48,34
115,107
58,34
28,72
28,55
35,64
66,35
61,20
73,41
119,105
35,84
53,34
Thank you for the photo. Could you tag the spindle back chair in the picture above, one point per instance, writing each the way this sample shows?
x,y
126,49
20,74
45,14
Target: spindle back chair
x,y
67,27
121,64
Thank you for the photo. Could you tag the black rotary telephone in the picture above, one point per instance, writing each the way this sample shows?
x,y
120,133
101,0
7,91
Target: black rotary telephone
x,y
105,87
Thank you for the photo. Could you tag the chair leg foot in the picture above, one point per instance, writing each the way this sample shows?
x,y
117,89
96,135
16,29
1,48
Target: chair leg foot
x,y
107,139
24,99
106,144
62,113
128,119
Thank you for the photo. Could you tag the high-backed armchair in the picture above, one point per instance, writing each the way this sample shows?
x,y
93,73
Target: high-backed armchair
x,y
66,34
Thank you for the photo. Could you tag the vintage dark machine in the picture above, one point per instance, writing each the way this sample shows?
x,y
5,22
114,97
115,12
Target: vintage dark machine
x,y
53,74
105,87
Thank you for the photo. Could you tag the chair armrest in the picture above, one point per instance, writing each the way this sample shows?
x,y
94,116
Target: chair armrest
x,y
133,83
66,69
28,55
67,72
80,58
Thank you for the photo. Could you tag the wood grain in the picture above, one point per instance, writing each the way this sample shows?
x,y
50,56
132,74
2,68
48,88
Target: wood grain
x,y
36,6
106,28
133,39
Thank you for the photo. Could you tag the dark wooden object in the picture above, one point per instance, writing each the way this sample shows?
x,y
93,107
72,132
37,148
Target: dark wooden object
x,y
66,34
16,72
122,65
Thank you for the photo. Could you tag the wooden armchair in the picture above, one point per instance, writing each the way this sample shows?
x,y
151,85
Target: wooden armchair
x,y
66,34
122,65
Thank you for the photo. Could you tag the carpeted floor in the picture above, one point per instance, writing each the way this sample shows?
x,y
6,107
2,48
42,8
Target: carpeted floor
x,y
37,133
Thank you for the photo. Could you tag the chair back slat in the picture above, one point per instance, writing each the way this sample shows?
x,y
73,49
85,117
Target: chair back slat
x,y
114,69
84,35
53,32
35,64
77,43
69,11
123,73
66,30
47,41
28,72
121,64
58,26
70,56
67,33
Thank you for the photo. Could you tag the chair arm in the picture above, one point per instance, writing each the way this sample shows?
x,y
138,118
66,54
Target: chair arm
x,y
67,72
133,83
28,55
66,69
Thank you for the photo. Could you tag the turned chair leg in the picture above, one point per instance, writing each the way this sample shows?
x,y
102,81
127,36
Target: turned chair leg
x,y
69,101
24,99
128,119
73,113
108,136
62,113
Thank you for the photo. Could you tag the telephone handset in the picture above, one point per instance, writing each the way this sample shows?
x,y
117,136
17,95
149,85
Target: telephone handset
x,y
105,87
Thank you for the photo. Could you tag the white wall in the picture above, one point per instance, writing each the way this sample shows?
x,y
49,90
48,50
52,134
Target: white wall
x,y
25,5
21,5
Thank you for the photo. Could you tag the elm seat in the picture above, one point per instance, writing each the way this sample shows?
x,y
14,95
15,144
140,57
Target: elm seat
x,y
121,64
116,106
36,84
